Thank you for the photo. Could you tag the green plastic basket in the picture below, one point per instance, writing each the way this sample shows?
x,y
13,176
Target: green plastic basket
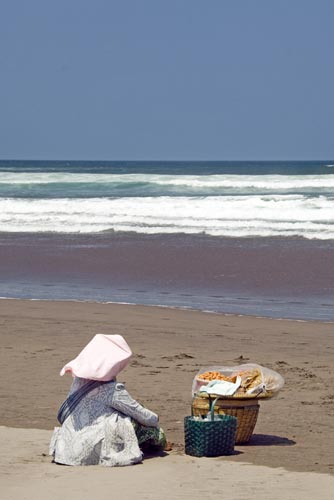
x,y
210,438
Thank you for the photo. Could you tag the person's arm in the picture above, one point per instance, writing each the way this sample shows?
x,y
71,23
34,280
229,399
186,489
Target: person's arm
x,y
123,402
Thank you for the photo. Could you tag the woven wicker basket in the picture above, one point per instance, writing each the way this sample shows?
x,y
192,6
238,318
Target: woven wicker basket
x,y
245,410
210,438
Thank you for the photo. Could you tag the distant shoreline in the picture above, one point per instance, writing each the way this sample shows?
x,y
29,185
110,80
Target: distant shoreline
x,y
177,308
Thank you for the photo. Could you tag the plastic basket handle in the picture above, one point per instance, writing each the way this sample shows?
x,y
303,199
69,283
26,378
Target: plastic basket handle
x,y
212,408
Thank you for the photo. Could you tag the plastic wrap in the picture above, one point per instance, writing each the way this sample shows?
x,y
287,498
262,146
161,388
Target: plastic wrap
x,y
251,380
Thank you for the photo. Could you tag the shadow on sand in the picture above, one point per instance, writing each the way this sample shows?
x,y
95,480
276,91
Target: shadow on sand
x,y
270,440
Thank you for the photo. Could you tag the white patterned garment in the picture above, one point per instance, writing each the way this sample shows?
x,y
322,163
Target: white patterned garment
x,y
99,430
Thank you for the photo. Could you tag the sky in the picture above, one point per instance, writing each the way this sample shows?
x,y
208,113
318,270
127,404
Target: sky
x,y
166,79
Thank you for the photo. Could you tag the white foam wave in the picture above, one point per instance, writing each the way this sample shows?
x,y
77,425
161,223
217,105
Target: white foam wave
x,y
291,215
260,182
263,182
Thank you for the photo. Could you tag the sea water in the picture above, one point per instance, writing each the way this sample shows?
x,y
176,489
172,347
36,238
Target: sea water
x,y
232,199
48,205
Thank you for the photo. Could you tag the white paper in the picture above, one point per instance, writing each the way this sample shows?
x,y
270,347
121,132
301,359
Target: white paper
x,y
221,387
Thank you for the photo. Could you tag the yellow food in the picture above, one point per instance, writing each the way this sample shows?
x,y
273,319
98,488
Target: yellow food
x,y
249,379
215,375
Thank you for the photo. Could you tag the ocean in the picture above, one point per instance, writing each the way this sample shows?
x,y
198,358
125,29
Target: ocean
x,y
49,209
232,199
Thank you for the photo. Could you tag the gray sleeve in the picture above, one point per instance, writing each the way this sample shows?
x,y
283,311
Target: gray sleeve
x,y
123,402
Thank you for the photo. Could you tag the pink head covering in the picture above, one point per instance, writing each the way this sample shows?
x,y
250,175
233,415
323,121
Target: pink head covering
x,y
102,358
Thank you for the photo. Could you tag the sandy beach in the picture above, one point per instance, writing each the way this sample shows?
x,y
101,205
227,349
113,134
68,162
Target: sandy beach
x,y
167,175
293,435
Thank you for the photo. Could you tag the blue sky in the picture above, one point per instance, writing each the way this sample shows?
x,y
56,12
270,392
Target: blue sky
x,y
173,79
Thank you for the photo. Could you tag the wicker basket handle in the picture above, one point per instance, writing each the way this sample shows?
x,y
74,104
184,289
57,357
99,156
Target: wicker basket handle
x,y
212,407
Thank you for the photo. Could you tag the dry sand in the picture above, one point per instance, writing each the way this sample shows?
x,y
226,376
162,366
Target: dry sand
x,y
290,455
28,475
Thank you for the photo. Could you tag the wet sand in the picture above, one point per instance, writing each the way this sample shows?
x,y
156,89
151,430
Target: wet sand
x,y
271,277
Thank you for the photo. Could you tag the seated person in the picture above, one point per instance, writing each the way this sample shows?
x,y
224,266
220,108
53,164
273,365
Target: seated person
x,y
101,423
